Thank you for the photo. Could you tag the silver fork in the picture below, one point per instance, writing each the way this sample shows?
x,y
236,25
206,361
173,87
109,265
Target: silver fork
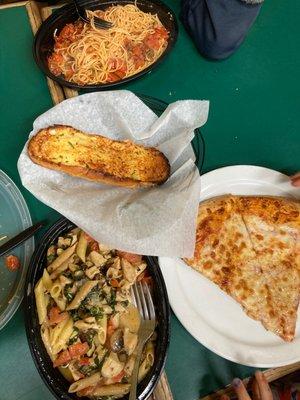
x,y
142,299
99,22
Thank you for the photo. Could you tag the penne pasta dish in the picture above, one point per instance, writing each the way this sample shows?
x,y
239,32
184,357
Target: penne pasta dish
x,y
89,325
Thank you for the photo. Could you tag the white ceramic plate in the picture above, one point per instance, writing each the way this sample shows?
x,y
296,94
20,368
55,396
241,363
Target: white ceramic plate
x,y
212,317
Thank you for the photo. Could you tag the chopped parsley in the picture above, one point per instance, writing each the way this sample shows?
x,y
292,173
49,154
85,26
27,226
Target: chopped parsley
x,y
74,315
95,311
100,363
69,295
87,370
112,299
73,337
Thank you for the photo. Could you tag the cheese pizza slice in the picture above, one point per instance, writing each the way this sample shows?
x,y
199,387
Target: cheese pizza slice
x,y
226,253
273,225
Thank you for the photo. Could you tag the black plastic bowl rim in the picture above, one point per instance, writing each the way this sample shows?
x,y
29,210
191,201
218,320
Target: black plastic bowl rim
x,y
57,384
43,41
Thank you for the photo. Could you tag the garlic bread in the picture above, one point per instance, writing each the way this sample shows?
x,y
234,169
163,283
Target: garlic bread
x,y
97,158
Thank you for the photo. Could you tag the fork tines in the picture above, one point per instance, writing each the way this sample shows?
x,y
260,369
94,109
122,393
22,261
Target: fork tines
x,y
142,299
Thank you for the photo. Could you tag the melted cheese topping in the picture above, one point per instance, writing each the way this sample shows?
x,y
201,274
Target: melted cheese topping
x,y
248,246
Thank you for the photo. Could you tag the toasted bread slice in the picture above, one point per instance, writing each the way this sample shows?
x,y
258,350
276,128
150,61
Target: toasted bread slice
x,y
97,158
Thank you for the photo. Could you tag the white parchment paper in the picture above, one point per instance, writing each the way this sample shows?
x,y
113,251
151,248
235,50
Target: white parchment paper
x,y
154,221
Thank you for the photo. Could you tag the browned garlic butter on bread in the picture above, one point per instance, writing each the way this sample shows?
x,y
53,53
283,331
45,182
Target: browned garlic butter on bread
x,y
97,158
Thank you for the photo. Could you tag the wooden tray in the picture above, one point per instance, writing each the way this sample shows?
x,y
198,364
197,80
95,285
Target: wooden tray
x,y
38,14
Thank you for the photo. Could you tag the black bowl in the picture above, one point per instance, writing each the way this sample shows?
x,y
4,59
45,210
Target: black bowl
x,y
44,42
51,376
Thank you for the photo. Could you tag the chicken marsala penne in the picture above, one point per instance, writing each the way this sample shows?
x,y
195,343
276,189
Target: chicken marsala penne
x,y
89,325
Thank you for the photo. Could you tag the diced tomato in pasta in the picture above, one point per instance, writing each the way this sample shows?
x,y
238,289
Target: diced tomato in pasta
x,y
114,283
119,377
84,361
12,262
154,40
118,69
110,327
54,62
88,237
86,391
164,34
130,257
67,31
78,349
62,358
94,246
56,316
145,278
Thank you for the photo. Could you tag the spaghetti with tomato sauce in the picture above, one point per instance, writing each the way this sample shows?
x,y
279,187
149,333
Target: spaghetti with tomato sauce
x,y
84,54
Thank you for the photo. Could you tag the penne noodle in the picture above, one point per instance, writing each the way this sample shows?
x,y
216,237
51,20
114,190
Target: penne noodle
x,y
102,329
47,281
64,281
112,366
66,373
84,326
129,271
129,365
97,258
107,309
56,290
130,341
119,308
60,335
47,300
40,300
92,271
63,267
150,353
66,333
85,382
143,370
74,372
82,246
119,389
101,352
56,293
131,319
61,258
61,303
55,332
46,340
81,294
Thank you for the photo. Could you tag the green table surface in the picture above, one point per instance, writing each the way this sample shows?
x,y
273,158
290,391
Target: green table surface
x,y
254,119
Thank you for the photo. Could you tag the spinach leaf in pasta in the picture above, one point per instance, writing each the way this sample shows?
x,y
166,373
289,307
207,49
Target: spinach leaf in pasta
x,y
74,336
68,292
88,336
111,300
